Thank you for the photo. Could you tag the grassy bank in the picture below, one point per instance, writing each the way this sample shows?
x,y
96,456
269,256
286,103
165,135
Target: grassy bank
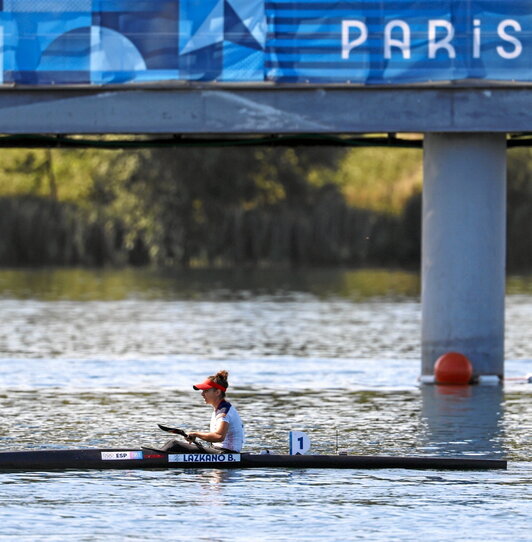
x,y
226,207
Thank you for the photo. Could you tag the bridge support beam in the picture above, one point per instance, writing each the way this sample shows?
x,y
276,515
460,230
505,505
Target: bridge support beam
x,y
464,249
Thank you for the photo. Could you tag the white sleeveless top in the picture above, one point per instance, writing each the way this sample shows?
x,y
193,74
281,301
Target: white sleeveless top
x,y
234,440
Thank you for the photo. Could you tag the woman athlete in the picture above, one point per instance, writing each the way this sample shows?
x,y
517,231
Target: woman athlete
x,y
226,432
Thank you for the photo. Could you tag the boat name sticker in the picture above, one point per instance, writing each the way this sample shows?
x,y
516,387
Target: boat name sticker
x,y
203,458
110,456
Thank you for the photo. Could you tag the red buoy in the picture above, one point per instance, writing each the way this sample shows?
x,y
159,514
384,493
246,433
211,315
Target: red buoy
x,y
453,368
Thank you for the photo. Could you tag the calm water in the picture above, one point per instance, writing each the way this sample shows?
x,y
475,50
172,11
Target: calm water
x,y
96,359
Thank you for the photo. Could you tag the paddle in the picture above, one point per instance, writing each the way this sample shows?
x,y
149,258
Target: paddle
x,y
174,430
177,431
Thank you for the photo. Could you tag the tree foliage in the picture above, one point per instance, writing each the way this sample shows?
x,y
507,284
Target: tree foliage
x,y
227,206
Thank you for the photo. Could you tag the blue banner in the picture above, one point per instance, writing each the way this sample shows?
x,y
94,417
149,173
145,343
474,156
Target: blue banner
x,y
57,42
399,41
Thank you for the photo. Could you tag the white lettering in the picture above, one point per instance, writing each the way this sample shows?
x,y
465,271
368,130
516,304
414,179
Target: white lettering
x,y
389,42
501,30
348,46
445,42
476,38
397,34
203,458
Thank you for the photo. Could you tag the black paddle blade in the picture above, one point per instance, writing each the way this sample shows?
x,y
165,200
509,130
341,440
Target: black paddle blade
x,y
178,431
174,430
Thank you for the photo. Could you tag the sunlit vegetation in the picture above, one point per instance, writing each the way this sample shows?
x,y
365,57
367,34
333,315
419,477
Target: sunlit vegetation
x,y
317,206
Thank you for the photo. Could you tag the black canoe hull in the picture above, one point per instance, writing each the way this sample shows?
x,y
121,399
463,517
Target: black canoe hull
x,y
130,458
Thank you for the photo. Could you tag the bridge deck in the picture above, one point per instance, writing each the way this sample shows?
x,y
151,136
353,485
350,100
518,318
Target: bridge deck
x,y
261,109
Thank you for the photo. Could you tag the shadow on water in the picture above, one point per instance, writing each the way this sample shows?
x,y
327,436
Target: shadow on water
x,y
463,420
200,284
76,284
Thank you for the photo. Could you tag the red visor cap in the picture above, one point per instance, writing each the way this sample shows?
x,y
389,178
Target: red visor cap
x,y
207,385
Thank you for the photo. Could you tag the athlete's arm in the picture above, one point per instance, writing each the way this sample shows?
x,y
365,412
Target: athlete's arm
x,y
215,436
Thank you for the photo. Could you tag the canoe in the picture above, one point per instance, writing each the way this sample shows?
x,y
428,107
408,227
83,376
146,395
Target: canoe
x,y
146,458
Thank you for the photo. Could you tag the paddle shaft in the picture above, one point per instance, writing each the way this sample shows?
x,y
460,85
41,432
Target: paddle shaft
x,y
174,430
177,431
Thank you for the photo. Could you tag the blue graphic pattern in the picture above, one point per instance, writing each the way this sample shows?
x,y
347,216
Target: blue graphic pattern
x,y
45,42
305,41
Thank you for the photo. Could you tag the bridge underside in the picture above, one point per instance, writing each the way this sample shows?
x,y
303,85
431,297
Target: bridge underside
x,y
464,170
266,110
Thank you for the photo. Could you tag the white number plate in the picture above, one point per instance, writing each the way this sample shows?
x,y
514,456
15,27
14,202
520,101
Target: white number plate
x,y
110,456
203,458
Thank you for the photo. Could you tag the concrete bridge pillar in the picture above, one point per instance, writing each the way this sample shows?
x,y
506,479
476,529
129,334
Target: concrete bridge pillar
x,y
464,249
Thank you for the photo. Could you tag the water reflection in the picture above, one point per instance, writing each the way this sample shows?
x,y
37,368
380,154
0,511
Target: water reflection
x,y
463,419
204,284
194,284
213,479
